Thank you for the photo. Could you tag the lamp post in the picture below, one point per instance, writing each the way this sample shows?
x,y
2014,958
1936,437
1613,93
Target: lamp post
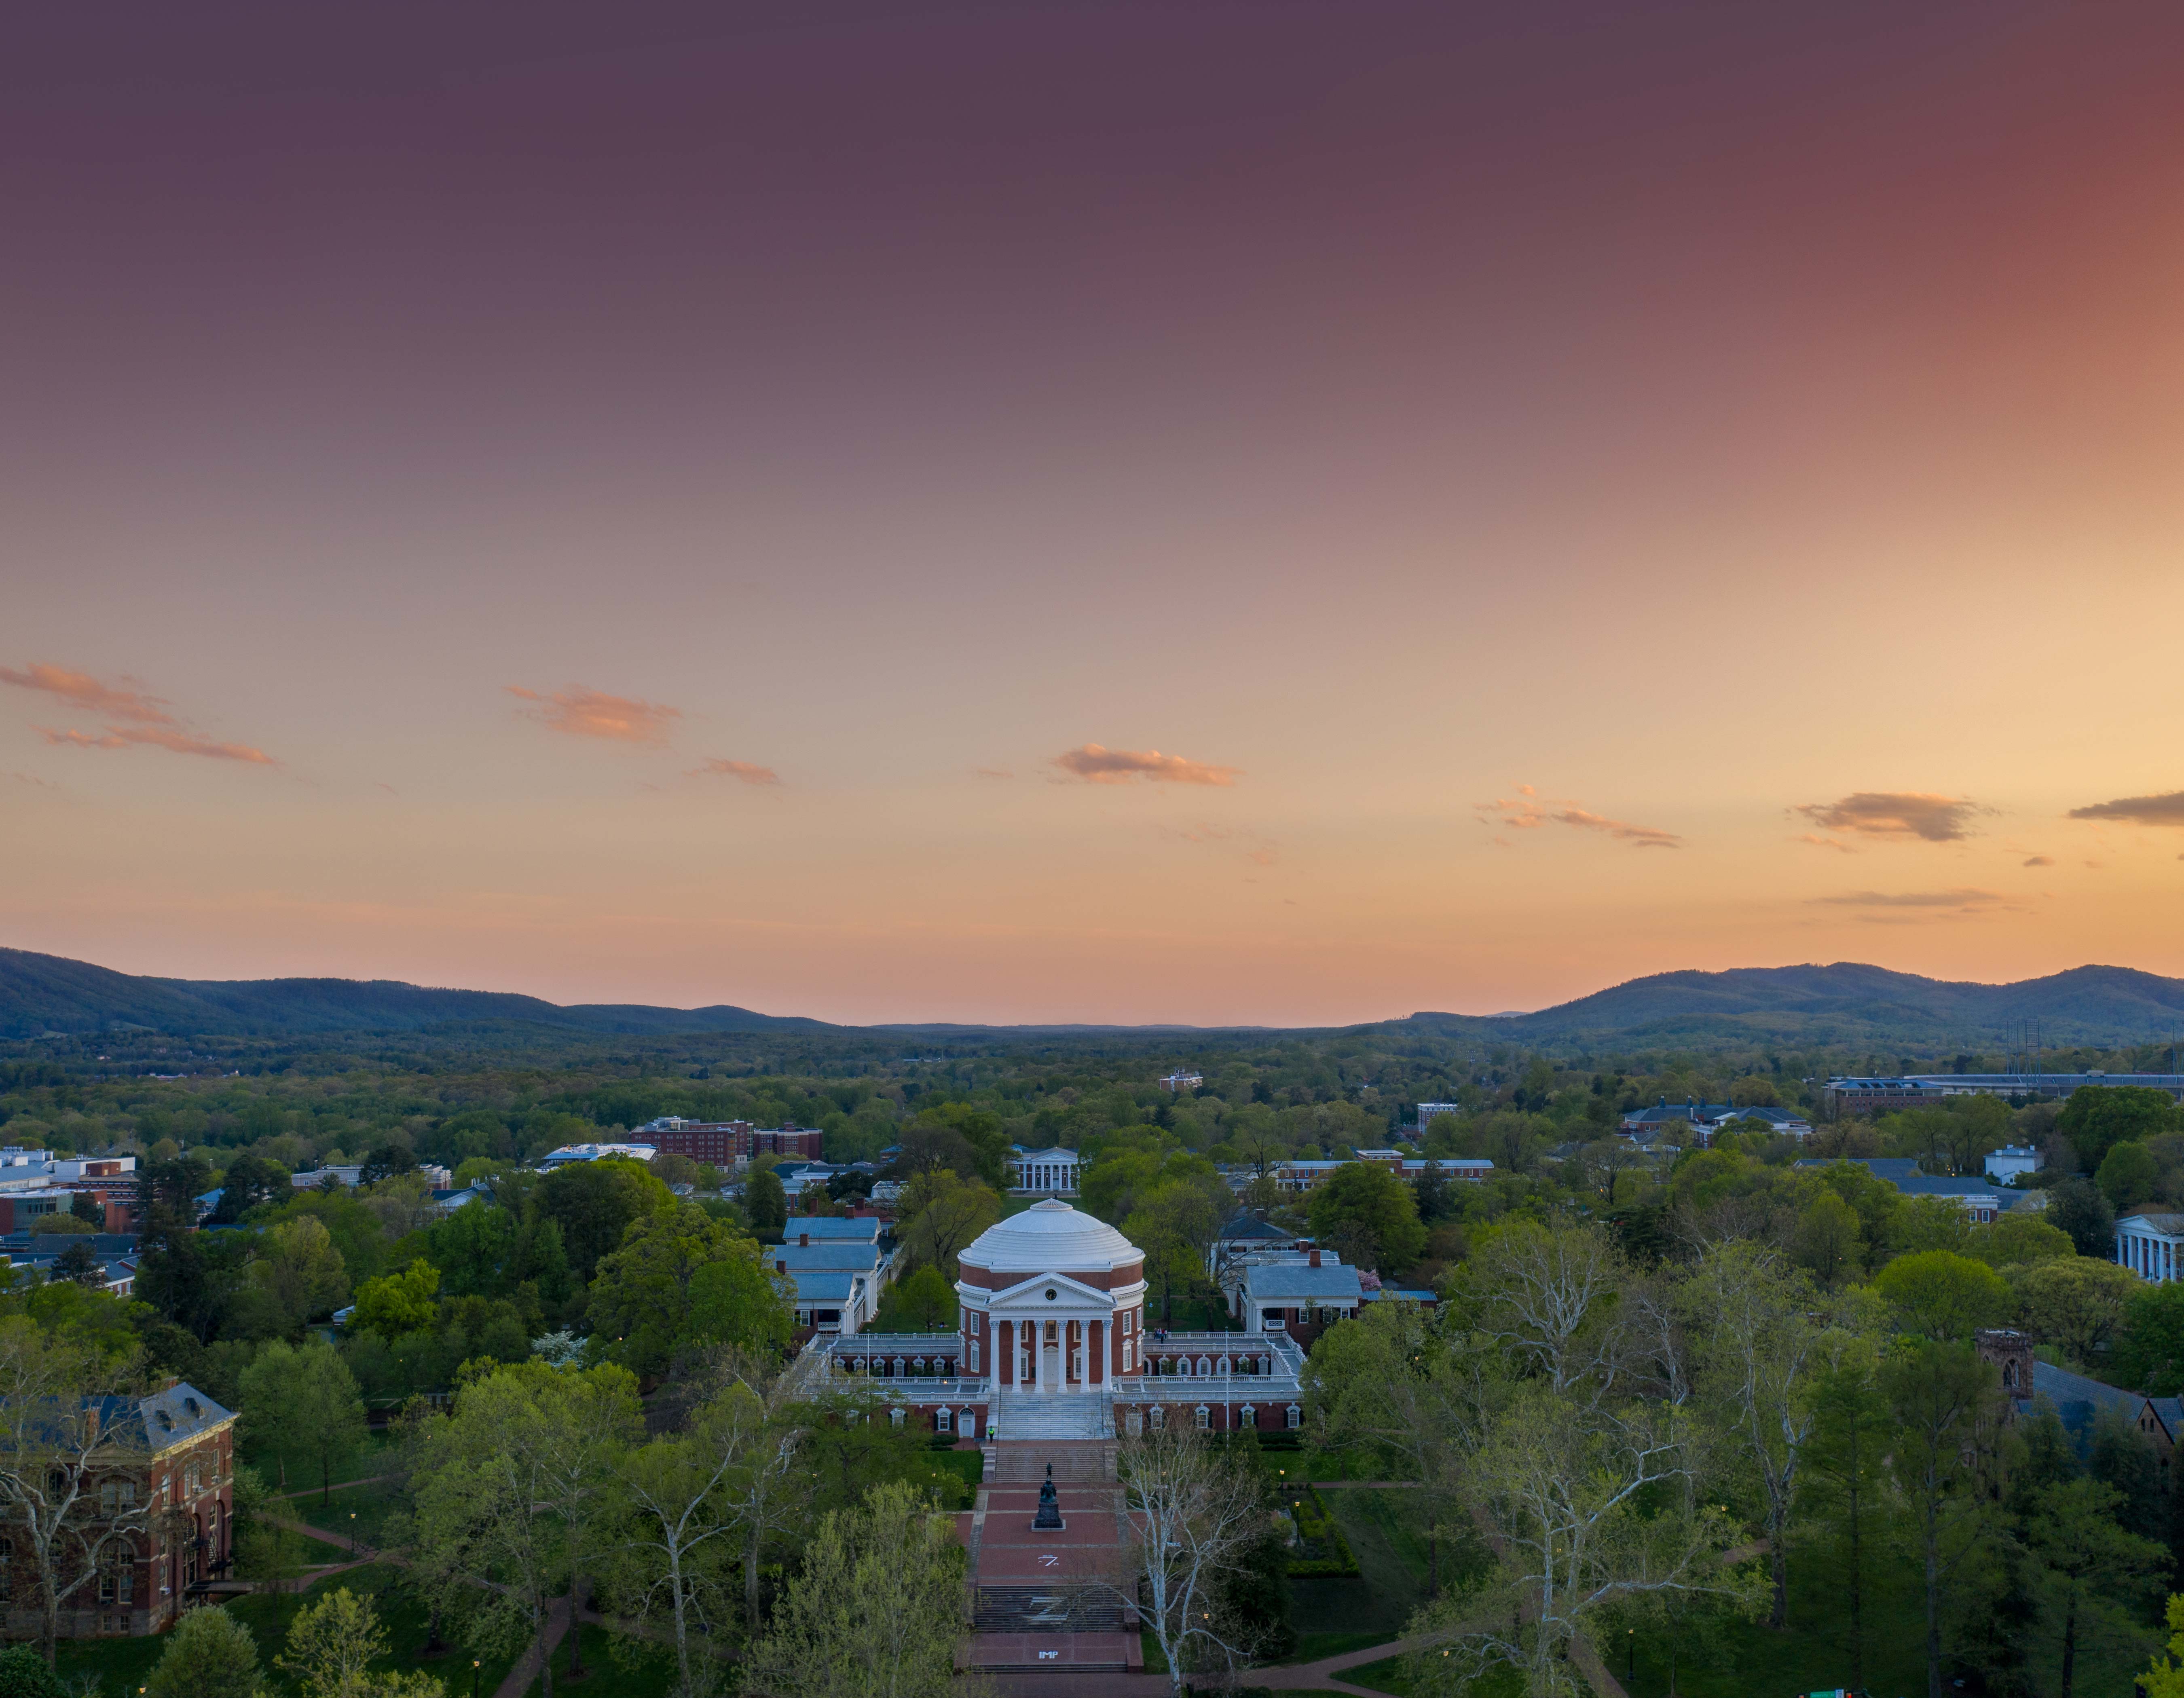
x,y
1630,1661
474,1677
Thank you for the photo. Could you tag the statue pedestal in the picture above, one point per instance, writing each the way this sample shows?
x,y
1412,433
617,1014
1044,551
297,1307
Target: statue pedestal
x,y
1049,1518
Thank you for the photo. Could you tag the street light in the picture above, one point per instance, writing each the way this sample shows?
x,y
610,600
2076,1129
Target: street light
x,y
1630,1662
474,1677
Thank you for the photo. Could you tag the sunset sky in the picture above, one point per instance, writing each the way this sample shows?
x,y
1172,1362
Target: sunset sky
x,y
1286,513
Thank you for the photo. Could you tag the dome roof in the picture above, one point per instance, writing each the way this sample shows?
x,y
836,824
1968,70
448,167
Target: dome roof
x,y
1052,1238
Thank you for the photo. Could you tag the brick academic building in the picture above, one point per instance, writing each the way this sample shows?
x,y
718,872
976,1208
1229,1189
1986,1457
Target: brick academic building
x,y
723,1143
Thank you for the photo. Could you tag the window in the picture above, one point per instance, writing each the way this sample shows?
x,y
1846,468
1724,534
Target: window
x,y
1160,1417
128,1495
943,1422
1252,1415
1204,1417
894,1418
108,1494
974,1356
1295,1417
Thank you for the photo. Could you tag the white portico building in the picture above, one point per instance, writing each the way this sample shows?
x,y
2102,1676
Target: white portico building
x,y
1052,1300
1053,1342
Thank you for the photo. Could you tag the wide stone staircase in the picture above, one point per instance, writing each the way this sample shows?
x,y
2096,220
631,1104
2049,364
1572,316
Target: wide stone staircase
x,y
1054,1415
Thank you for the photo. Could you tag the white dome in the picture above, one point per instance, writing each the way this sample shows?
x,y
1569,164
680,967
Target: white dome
x,y
1052,1238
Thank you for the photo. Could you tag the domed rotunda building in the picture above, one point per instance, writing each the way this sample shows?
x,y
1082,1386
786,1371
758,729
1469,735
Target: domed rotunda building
x,y
1053,1343
1052,1299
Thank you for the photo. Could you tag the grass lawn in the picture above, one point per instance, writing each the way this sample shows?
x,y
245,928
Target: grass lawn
x,y
626,1667
1813,1652
1387,1675
372,1457
970,1464
122,1664
353,1511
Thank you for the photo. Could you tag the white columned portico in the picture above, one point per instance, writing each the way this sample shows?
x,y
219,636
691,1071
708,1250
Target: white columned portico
x,y
1061,1287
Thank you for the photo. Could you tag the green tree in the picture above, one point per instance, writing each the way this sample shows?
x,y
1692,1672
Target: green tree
x,y
1944,1404
518,1479
2021,1237
2149,1357
300,1404
24,1673
941,1213
765,1202
926,1298
1826,1241
2098,1118
331,1646
644,1296
2089,1571
55,1451
2165,1676
876,1611
2128,1174
2078,1206
473,1247
1845,1480
398,1303
250,1182
2077,1305
80,1264
1369,1215
1177,1221
85,1208
595,1202
1941,1295
299,1270
1110,1186
208,1652
1761,1337
672,1560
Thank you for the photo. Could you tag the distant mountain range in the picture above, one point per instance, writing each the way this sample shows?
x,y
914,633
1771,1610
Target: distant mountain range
x,y
1847,1004
1843,1005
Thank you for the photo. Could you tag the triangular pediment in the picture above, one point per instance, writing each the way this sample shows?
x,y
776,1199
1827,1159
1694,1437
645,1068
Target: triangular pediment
x,y
1030,1294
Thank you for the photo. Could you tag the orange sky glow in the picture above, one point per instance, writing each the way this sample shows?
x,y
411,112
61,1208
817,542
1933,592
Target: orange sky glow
x,y
1115,513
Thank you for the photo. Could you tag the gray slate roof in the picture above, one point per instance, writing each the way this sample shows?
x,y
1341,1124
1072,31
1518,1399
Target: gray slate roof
x,y
2078,1400
866,1229
1277,1282
821,1285
852,1255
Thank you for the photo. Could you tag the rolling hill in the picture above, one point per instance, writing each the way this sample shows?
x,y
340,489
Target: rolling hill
x,y
1843,1005
1847,1003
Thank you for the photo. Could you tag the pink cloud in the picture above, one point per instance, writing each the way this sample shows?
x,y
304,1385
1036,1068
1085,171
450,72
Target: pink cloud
x,y
1896,814
577,712
1532,813
748,772
81,690
1097,765
180,742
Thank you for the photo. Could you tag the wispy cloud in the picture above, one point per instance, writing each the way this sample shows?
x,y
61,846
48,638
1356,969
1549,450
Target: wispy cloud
x,y
1097,765
1964,900
132,717
1818,842
2144,810
748,772
1255,846
992,772
1528,811
25,778
2040,861
1896,814
81,690
157,736
577,712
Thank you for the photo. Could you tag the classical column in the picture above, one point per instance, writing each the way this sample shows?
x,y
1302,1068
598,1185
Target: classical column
x,y
1096,1340
1005,1344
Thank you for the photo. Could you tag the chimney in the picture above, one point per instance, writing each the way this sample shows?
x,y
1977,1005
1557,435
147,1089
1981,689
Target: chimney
x,y
804,1241
1314,1258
